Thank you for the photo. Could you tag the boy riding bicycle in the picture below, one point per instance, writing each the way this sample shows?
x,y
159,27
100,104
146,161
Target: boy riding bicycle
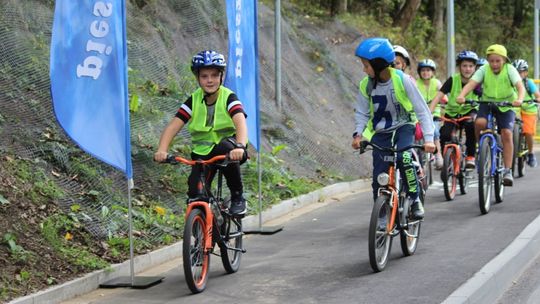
x,y
466,62
217,126
385,114
529,112
498,79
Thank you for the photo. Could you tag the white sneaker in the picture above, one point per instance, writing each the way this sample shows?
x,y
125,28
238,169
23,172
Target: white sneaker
x,y
438,162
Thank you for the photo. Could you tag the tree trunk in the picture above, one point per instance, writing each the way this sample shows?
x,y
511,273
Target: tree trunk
x,y
518,14
338,7
406,14
438,19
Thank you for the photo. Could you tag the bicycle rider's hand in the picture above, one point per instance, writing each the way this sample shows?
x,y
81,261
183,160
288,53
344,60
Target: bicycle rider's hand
x,y
460,100
160,156
517,103
236,154
356,142
429,147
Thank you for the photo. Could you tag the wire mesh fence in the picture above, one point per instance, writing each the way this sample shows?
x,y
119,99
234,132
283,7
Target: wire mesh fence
x,y
312,130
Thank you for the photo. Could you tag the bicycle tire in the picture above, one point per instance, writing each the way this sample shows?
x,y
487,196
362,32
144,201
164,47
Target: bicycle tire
x,y
498,179
409,243
521,160
231,231
448,176
465,176
380,240
515,137
196,260
484,175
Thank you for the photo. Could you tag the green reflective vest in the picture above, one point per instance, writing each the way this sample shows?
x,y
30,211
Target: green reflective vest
x,y
204,137
401,96
429,92
453,108
498,87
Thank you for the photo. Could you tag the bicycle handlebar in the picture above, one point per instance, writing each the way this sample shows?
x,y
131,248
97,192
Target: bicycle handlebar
x,y
364,144
456,120
174,159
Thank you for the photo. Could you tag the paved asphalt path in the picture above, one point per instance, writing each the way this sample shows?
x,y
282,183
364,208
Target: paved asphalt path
x,y
322,255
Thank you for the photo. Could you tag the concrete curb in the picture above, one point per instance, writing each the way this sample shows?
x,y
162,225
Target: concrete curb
x,y
92,280
490,282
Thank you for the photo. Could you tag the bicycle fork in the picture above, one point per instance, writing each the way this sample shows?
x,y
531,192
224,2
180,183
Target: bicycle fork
x,y
209,220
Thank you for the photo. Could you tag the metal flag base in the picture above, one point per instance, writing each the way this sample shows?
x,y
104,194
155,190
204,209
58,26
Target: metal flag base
x,y
265,230
138,282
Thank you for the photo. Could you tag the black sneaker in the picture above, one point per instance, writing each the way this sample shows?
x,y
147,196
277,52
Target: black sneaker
x,y
508,179
238,206
531,160
417,210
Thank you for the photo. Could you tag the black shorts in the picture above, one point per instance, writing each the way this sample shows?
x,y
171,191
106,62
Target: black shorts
x,y
505,120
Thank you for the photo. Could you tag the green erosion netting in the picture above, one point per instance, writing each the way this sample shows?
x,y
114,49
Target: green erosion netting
x,y
313,130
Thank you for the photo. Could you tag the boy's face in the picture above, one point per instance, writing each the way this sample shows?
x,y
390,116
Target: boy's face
x,y
496,62
399,63
467,68
367,68
524,74
426,73
209,79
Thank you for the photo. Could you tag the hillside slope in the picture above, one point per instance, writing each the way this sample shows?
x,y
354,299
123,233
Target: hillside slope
x,y
63,213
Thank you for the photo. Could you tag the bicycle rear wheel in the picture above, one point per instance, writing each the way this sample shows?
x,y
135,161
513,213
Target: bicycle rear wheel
x,y
465,175
498,179
411,233
484,175
448,176
380,237
231,247
521,159
196,260
515,137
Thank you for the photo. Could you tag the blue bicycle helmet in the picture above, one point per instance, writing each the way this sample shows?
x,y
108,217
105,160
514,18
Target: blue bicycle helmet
x,y
466,55
208,59
373,48
481,62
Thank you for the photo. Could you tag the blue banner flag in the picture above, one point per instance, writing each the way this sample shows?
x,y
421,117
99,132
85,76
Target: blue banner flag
x,y
89,78
242,70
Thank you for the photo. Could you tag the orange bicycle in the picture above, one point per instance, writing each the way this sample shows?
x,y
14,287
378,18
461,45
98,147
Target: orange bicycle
x,y
454,161
207,223
391,214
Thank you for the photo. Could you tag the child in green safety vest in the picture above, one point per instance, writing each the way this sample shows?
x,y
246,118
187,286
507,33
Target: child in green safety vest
x,y
386,112
529,111
499,80
428,86
466,62
217,124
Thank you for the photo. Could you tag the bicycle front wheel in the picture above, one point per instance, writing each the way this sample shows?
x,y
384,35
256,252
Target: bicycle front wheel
x,y
231,245
484,175
448,176
380,235
465,175
196,260
515,137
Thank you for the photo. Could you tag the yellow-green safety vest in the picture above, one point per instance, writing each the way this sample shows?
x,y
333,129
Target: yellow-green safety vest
x,y
453,108
401,95
429,93
498,87
203,137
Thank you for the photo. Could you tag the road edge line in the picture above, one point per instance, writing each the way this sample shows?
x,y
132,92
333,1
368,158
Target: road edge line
x,y
492,280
